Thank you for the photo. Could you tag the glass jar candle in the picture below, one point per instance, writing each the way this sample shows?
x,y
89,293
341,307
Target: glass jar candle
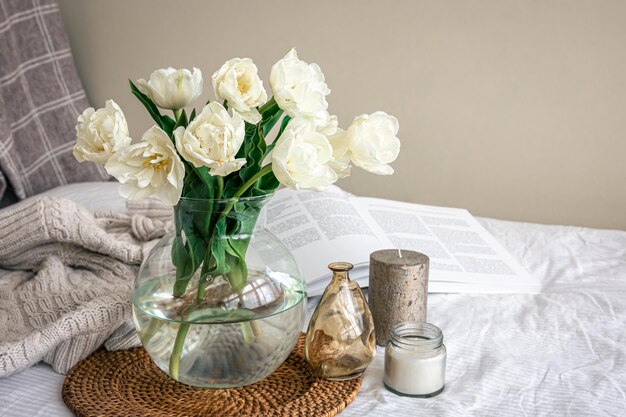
x,y
415,360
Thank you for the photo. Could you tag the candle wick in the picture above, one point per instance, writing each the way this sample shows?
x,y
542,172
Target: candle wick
x,y
400,253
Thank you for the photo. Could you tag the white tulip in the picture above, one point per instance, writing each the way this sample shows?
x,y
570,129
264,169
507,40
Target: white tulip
x,y
301,157
172,89
299,88
100,133
372,142
330,126
337,139
212,139
150,167
341,156
238,82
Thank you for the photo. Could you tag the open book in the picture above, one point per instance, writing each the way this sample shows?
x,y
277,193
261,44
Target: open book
x,y
330,226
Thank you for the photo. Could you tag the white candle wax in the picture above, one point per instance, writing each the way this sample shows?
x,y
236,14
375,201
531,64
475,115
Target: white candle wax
x,y
411,372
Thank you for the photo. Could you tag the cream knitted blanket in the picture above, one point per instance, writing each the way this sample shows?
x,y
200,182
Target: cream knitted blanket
x,y
66,279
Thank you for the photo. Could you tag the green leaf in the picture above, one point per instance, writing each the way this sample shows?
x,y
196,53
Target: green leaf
x,y
193,186
164,122
249,214
254,157
209,181
218,249
244,216
270,107
189,249
252,151
199,183
283,125
235,257
270,122
231,185
267,184
181,259
186,257
192,116
271,146
182,120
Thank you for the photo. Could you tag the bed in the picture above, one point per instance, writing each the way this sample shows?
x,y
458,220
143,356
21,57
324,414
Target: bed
x,y
561,352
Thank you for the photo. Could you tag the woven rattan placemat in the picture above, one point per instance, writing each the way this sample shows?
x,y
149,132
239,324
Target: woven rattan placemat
x,y
127,383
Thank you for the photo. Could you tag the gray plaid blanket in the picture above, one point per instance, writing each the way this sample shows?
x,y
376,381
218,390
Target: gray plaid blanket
x,y
40,99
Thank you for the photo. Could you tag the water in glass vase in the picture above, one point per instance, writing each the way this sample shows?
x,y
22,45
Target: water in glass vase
x,y
233,339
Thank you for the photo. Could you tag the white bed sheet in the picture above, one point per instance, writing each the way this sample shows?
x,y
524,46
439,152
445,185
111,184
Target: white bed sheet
x,y
561,352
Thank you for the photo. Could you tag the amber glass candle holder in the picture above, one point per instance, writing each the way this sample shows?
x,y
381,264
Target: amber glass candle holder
x,y
340,340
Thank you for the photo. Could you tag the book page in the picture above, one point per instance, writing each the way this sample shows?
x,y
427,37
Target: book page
x,y
459,248
322,227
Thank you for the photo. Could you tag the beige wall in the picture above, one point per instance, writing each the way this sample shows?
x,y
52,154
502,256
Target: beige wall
x,y
512,109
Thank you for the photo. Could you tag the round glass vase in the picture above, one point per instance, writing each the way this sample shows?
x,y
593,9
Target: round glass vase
x,y
220,302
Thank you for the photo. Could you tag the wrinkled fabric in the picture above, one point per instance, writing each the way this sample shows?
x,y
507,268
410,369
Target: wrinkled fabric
x,y
561,352
66,279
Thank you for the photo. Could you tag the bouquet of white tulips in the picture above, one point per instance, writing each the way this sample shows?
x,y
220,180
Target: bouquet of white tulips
x,y
224,153
220,152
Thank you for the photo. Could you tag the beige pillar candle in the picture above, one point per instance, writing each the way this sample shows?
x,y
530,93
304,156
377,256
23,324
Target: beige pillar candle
x,y
398,289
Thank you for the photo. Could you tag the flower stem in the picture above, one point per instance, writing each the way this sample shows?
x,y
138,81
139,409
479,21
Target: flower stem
x,y
177,351
265,170
249,330
176,115
179,343
267,105
220,187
